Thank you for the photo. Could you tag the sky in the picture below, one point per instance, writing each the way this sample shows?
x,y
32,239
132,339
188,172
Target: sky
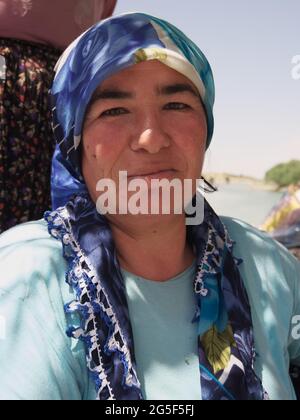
x,y
250,45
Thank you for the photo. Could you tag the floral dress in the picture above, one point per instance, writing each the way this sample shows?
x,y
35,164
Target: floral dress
x,y
26,139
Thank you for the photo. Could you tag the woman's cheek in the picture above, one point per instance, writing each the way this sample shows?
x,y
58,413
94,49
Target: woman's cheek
x,y
190,124
101,139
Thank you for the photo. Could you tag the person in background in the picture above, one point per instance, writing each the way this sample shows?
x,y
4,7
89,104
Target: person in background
x,y
132,306
283,222
283,210
33,33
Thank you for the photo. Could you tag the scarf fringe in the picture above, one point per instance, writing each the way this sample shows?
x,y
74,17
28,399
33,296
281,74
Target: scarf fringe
x,y
82,279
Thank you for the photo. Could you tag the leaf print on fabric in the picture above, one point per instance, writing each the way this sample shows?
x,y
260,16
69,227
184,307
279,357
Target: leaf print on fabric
x,y
217,347
150,54
140,56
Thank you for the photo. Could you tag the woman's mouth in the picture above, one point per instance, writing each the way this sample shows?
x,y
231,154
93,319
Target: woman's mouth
x,y
158,175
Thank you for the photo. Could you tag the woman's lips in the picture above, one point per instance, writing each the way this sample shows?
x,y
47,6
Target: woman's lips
x,y
165,174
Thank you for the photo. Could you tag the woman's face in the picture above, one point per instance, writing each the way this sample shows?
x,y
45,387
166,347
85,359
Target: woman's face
x,y
147,120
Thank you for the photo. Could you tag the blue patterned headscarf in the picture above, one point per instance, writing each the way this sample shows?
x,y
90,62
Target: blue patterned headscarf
x,y
223,315
102,51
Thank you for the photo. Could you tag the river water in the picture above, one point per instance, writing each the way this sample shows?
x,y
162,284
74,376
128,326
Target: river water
x,y
243,202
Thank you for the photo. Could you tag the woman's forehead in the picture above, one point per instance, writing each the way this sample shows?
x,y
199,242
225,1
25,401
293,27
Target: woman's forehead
x,y
149,73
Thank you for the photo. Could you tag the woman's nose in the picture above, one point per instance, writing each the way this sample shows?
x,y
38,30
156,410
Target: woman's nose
x,y
151,136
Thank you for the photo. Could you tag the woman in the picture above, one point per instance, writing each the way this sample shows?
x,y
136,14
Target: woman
x,y
283,223
33,35
282,212
148,299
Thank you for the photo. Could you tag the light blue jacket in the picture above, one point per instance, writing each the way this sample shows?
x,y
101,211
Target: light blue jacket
x,y
37,359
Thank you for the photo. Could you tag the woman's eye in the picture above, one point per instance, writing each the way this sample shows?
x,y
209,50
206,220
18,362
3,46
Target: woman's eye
x,y
177,106
114,112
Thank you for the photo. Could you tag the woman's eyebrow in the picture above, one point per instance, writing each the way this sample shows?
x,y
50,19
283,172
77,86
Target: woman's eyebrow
x,y
178,88
111,94
163,90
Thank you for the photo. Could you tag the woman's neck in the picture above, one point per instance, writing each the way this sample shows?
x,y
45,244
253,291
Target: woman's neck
x,y
155,249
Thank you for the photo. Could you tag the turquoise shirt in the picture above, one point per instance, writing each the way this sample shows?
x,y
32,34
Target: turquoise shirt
x,y
38,361
161,315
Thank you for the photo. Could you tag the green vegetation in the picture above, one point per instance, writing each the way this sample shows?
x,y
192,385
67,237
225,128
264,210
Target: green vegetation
x,y
284,174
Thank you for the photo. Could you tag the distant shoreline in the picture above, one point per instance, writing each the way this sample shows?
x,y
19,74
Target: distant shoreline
x,y
217,179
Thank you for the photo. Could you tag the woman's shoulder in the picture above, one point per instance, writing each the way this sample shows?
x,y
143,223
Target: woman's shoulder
x,y
243,233
28,254
45,362
263,257
241,228
25,233
271,275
